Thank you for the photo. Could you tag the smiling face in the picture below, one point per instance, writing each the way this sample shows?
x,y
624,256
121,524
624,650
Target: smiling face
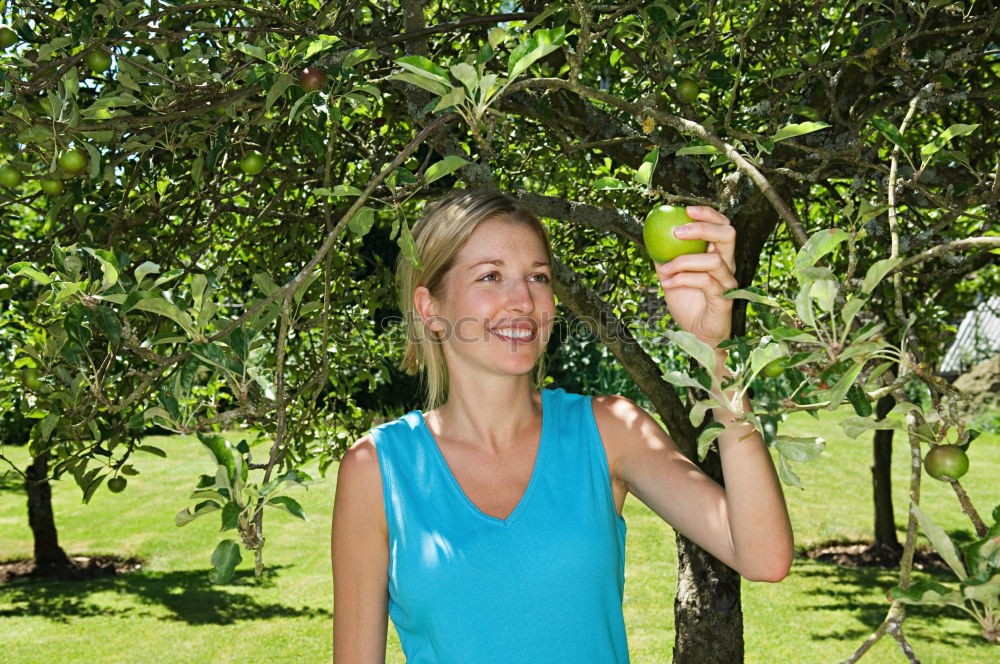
x,y
495,309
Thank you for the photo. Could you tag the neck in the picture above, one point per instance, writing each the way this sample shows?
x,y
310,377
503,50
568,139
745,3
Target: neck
x,y
493,414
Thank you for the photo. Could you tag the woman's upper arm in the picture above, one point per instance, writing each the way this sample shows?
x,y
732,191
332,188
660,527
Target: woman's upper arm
x,y
644,458
360,552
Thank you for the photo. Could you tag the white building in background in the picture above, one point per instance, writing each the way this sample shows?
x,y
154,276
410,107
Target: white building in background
x,y
978,339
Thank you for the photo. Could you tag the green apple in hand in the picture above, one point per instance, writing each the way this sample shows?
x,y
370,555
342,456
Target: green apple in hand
x,y
658,234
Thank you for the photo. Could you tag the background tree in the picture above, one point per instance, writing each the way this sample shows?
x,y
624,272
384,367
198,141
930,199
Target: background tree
x,y
200,238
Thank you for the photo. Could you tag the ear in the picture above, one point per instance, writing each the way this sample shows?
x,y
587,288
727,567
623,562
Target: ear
x,y
426,308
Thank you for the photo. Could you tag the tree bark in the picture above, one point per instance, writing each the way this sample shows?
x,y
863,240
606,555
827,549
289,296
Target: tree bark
x,y
885,521
48,554
708,612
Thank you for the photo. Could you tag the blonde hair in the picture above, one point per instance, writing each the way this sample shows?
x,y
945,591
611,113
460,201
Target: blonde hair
x,y
438,236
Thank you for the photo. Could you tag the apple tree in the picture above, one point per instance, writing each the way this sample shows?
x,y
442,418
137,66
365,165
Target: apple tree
x,y
209,198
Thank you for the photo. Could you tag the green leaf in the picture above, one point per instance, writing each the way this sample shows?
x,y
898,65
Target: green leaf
x,y
699,350
150,449
220,451
819,244
608,183
862,406
745,294
798,448
697,149
824,291
792,130
940,541
645,173
213,354
851,309
225,559
320,44
253,51
454,98
540,44
497,36
877,272
446,166
424,68
855,426
288,504
889,130
95,160
264,282
158,305
942,139
278,87
357,56
145,269
681,380
786,474
230,515
186,516
467,75
803,306
926,591
839,390
109,268
764,355
428,84
109,324
987,591
362,221
339,190
169,275
707,437
25,269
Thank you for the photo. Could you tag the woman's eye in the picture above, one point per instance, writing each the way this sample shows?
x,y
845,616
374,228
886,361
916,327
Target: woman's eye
x,y
492,276
544,278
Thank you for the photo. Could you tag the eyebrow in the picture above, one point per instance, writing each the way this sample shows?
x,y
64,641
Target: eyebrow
x,y
499,262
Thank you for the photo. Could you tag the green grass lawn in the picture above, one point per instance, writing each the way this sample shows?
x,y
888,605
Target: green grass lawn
x,y
169,612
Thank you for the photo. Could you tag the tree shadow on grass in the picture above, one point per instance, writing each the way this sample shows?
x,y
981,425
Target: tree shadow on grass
x,y
860,592
188,595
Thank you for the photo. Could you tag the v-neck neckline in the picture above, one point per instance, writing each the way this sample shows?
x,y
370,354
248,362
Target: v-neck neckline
x,y
531,482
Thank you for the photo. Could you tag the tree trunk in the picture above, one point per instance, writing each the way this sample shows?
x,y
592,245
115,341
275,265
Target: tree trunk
x,y
708,613
885,521
48,554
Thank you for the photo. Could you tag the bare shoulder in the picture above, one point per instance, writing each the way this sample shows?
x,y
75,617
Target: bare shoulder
x,y
618,419
632,438
359,480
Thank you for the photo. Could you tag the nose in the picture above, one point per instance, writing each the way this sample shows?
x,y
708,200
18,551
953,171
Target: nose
x,y
519,297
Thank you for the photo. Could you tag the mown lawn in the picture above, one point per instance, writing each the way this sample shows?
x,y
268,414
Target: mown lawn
x,y
169,612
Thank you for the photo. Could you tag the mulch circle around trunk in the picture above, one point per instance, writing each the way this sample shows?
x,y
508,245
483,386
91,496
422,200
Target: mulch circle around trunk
x,y
863,554
81,568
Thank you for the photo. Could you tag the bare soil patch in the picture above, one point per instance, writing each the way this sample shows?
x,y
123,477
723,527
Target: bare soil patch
x,y
864,554
81,568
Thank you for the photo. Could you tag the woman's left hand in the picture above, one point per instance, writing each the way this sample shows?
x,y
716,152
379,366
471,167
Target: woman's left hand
x,y
693,284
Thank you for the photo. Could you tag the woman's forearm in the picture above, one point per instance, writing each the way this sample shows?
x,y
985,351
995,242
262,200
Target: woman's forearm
x,y
758,518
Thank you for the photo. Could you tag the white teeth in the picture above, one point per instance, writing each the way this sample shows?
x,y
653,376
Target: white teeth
x,y
514,334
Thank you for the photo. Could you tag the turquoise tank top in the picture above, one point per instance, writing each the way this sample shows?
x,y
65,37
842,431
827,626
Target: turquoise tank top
x,y
543,586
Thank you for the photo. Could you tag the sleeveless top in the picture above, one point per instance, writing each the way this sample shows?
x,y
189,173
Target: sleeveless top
x,y
542,586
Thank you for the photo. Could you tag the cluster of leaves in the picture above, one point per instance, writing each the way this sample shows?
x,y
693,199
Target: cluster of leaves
x,y
977,592
232,492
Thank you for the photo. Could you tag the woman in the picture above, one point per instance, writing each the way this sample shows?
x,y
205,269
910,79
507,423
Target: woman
x,y
489,527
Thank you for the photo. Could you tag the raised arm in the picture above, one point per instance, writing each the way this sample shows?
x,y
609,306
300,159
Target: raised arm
x,y
745,524
360,553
